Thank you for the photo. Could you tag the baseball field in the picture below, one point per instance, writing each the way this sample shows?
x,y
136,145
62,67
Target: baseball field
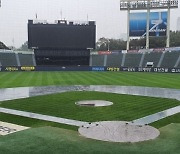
x,y
49,137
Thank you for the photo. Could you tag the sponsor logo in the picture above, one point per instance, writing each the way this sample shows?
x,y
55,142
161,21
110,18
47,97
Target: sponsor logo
x,y
98,69
130,69
11,69
159,49
175,70
116,52
133,51
27,68
161,70
158,30
114,69
144,69
94,53
105,52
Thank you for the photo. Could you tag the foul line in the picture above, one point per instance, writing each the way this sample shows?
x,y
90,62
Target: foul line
x,y
157,116
43,117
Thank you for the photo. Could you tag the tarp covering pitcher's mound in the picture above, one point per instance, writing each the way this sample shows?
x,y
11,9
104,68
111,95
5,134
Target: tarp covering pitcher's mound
x,y
119,131
94,103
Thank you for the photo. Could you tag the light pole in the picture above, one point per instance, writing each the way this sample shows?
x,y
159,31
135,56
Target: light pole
x,y
128,16
147,24
168,27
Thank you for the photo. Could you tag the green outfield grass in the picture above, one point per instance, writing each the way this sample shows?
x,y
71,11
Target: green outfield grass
x,y
22,79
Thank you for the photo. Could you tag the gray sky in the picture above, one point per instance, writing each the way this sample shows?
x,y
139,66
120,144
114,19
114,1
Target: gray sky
x,y
111,22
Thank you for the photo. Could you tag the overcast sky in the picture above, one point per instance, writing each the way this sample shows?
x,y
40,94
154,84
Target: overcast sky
x,y
111,22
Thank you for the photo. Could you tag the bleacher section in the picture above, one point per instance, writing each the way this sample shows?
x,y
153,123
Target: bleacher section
x,y
152,57
109,59
170,59
26,59
98,60
132,60
8,59
114,60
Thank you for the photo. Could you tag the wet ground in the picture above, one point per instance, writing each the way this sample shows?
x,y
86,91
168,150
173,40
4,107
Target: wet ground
x,y
15,93
25,92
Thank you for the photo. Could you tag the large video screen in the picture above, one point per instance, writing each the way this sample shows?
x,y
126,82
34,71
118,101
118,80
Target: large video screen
x,y
61,36
157,26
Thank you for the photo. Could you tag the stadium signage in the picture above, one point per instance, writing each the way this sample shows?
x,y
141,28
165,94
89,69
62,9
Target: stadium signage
x,y
116,52
98,69
94,68
28,68
145,69
150,69
129,69
113,69
105,52
173,49
133,51
124,51
94,53
159,50
157,26
11,69
161,70
175,70
44,35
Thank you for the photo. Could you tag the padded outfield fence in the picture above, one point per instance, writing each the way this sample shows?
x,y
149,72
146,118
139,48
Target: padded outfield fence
x,y
89,68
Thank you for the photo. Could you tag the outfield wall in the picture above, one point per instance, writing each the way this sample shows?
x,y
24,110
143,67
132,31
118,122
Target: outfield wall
x,y
89,68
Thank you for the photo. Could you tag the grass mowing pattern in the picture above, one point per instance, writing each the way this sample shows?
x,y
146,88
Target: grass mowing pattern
x,y
125,107
163,122
54,140
29,122
25,79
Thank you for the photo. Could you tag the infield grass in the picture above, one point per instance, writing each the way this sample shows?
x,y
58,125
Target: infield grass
x,y
125,107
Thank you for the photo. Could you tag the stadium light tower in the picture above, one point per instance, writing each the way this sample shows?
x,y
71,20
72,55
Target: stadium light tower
x,y
148,5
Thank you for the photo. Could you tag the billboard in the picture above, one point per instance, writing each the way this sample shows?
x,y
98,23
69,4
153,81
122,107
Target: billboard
x,y
61,36
157,26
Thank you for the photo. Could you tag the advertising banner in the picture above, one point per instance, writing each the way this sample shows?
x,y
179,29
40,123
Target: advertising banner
x,y
113,69
96,68
89,68
157,27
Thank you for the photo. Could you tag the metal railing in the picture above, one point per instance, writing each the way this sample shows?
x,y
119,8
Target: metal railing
x,y
145,4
